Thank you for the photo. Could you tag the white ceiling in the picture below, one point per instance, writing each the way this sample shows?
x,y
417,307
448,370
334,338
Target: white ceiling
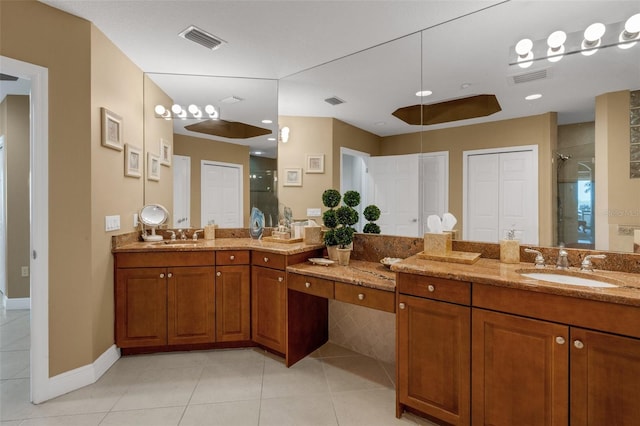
x,y
369,53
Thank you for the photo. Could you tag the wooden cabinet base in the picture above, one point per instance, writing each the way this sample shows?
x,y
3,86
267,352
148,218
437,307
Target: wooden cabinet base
x,y
189,347
307,325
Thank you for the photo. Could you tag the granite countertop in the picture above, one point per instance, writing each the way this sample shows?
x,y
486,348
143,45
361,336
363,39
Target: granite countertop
x,y
359,272
217,244
493,272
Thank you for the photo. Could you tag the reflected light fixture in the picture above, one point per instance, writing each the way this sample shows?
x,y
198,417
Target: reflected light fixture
x,y
555,41
423,93
525,54
631,33
191,112
593,38
533,97
284,134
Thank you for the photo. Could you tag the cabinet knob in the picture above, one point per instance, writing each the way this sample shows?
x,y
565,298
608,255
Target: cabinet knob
x,y
431,288
218,273
169,275
280,279
402,306
161,275
360,296
232,257
578,344
307,284
266,260
560,340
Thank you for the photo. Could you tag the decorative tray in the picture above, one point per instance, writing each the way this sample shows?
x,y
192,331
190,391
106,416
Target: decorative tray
x,y
321,261
388,261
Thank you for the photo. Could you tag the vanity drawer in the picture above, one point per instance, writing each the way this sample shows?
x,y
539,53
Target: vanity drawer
x,y
365,296
164,259
268,260
435,288
311,285
232,257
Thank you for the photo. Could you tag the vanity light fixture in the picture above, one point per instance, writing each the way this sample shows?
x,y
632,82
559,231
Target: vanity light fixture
x,y
631,33
284,134
525,53
555,41
191,112
593,38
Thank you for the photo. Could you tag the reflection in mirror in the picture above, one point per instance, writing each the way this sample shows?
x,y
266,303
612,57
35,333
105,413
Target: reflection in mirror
x,y
579,113
153,216
222,132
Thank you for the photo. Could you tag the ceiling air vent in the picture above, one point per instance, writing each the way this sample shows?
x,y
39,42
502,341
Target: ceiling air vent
x,y
334,101
530,76
201,37
7,77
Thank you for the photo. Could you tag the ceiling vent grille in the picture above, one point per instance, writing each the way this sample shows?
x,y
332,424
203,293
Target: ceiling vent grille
x,y
530,76
201,37
334,100
7,77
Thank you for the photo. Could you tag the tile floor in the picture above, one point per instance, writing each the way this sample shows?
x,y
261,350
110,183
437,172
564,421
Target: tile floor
x,y
333,386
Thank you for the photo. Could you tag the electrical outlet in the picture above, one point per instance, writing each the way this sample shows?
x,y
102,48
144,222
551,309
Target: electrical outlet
x,y
135,220
25,271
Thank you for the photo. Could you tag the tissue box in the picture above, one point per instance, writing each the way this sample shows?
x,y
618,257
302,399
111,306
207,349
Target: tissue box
x,y
210,232
509,251
312,235
437,243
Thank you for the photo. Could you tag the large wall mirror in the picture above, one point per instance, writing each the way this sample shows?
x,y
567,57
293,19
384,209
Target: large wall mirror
x,y
578,129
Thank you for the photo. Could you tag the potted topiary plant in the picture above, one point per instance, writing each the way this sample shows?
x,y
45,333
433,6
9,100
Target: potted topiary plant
x,y
331,198
347,216
371,213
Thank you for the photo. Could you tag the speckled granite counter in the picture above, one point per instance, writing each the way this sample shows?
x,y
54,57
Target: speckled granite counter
x,y
366,274
217,244
493,272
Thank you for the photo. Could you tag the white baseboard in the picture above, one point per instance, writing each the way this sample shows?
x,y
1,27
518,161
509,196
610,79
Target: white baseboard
x,y
16,303
83,376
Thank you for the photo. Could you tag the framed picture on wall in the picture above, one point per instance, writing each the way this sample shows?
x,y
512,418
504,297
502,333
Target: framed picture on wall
x,y
132,161
293,177
153,167
165,152
111,129
315,163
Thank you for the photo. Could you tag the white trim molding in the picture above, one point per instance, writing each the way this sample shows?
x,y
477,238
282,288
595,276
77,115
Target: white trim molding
x,y
15,303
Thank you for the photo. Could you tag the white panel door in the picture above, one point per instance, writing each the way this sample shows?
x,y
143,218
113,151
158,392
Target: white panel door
x,y
181,191
393,187
501,194
435,185
221,194
483,217
3,234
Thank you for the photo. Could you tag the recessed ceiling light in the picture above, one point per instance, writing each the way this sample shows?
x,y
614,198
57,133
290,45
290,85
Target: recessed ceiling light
x,y
533,97
271,139
465,85
423,93
257,152
380,123
267,121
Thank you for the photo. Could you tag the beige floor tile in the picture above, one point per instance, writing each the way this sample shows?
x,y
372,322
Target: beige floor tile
x,y
304,378
355,373
168,416
7,316
13,364
229,381
307,410
235,355
236,413
75,420
160,388
10,423
374,407
330,349
14,400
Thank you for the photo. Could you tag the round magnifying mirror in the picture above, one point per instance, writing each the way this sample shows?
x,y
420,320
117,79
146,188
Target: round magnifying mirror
x,y
152,216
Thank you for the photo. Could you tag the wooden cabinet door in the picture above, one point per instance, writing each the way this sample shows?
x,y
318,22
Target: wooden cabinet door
x,y
233,304
191,305
520,370
605,379
268,307
141,307
434,358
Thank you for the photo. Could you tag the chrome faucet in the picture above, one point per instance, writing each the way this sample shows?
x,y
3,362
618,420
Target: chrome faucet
x,y
195,234
183,236
586,265
563,260
173,235
539,260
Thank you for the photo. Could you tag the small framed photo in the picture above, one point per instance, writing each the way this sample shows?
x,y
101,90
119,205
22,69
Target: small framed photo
x,y
153,167
111,129
293,177
165,152
315,163
132,161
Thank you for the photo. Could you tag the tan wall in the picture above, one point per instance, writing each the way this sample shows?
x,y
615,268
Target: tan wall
x,y
205,149
618,203
36,33
116,84
308,135
14,124
535,130
157,192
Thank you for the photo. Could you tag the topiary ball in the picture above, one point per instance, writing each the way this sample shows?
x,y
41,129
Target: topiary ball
x,y
346,215
371,228
330,238
330,219
351,198
331,198
372,213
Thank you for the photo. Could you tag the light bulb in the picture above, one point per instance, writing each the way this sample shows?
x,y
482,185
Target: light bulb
x,y
160,110
524,46
632,26
176,109
556,39
594,32
554,55
193,109
525,61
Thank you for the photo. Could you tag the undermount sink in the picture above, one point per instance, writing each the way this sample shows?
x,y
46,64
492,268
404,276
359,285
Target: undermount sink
x,y
568,278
